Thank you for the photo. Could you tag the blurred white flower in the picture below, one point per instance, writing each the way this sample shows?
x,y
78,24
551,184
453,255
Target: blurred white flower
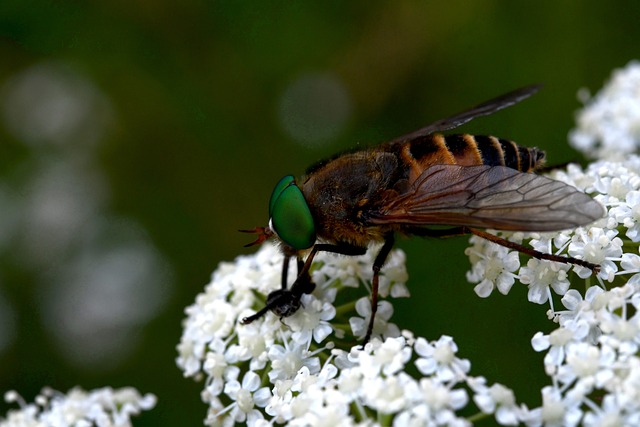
x,y
498,399
103,407
315,108
96,303
90,268
608,127
53,103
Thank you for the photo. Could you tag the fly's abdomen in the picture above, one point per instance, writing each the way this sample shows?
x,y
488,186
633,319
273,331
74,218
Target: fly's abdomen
x,y
488,150
420,153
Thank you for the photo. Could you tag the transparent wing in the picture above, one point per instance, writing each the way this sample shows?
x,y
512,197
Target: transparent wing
x,y
495,197
480,110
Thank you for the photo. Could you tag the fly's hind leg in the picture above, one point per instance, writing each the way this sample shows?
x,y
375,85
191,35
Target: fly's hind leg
x,y
459,231
532,252
377,265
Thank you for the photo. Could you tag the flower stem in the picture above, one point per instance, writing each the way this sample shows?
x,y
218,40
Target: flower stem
x,y
345,308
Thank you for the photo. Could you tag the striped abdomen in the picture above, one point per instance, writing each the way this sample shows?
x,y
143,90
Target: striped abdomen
x,y
468,150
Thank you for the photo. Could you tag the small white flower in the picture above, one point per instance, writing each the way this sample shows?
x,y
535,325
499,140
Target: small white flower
x,y
628,214
305,379
253,342
320,406
496,399
388,357
630,264
440,402
555,411
600,247
611,414
393,276
614,181
279,406
381,325
542,275
349,382
350,271
556,341
287,360
246,396
216,366
440,398
583,360
439,359
313,321
493,267
389,394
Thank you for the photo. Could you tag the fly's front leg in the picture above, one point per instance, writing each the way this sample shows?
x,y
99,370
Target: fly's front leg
x,y
286,301
285,271
377,265
303,284
300,264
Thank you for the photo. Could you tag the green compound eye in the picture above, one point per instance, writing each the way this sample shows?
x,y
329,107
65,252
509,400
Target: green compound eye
x,y
280,186
290,215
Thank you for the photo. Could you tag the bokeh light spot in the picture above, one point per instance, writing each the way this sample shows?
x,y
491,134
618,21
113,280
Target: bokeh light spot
x,y
315,108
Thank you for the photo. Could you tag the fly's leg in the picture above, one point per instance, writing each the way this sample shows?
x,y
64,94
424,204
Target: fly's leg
x,y
377,265
460,231
300,264
284,302
285,271
532,252
342,249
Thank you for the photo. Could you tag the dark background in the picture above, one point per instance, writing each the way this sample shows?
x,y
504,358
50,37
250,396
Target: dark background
x,y
138,137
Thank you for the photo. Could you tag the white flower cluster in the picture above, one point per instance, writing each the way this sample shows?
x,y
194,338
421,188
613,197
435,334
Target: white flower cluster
x,y
595,349
592,357
235,358
268,371
609,125
593,360
357,387
103,407
303,370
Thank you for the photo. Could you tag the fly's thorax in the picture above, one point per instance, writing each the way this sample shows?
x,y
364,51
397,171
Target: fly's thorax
x,y
343,192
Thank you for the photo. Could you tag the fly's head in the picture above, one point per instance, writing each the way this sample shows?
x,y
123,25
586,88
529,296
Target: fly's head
x,y
290,218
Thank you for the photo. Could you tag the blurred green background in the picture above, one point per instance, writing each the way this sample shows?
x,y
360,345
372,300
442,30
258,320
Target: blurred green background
x,y
138,137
